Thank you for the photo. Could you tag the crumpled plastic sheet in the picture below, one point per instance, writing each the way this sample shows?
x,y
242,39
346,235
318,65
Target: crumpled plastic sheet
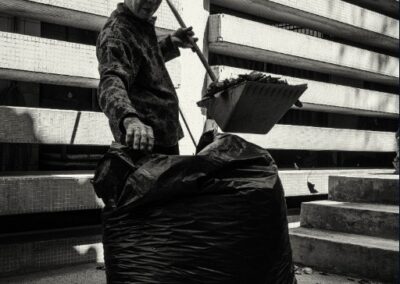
x,y
216,217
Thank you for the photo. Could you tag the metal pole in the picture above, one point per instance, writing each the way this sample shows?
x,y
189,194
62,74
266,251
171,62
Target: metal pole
x,y
187,127
202,59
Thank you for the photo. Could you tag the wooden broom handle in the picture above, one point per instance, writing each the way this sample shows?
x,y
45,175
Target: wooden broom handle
x,y
209,124
192,42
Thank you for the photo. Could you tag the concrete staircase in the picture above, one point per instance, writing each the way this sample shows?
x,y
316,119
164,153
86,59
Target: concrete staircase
x,y
355,232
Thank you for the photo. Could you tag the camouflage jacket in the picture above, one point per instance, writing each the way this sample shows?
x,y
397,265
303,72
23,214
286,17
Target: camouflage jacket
x,y
133,78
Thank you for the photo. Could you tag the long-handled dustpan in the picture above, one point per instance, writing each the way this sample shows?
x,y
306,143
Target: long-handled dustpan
x,y
247,107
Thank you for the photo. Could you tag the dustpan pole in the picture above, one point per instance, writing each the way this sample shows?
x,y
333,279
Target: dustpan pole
x,y
209,124
196,48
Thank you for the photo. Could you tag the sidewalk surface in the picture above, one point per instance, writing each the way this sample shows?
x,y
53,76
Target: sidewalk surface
x,y
89,274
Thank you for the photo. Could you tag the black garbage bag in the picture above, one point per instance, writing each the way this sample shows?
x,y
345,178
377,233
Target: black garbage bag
x,y
216,217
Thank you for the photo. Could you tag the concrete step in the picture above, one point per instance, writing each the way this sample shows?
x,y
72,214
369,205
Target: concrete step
x,y
367,188
356,218
348,254
38,251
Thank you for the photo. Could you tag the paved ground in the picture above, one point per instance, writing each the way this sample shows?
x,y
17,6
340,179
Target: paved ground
x,y
88,274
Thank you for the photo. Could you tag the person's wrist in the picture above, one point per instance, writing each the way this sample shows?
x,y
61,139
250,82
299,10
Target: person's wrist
x,y
174,41
128,120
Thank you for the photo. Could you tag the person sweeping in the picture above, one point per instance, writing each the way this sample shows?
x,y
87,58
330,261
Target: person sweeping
x,y
135,91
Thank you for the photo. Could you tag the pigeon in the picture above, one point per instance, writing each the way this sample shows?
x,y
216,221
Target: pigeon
x,y
311,187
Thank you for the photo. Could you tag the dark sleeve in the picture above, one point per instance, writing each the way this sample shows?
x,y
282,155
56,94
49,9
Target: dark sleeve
x,y
168,49
118,67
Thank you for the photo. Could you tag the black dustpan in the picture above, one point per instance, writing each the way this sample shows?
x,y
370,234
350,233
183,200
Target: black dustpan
x,y
251,106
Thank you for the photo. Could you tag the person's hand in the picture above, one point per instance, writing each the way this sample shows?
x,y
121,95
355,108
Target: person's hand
x,y
138,135
181,37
